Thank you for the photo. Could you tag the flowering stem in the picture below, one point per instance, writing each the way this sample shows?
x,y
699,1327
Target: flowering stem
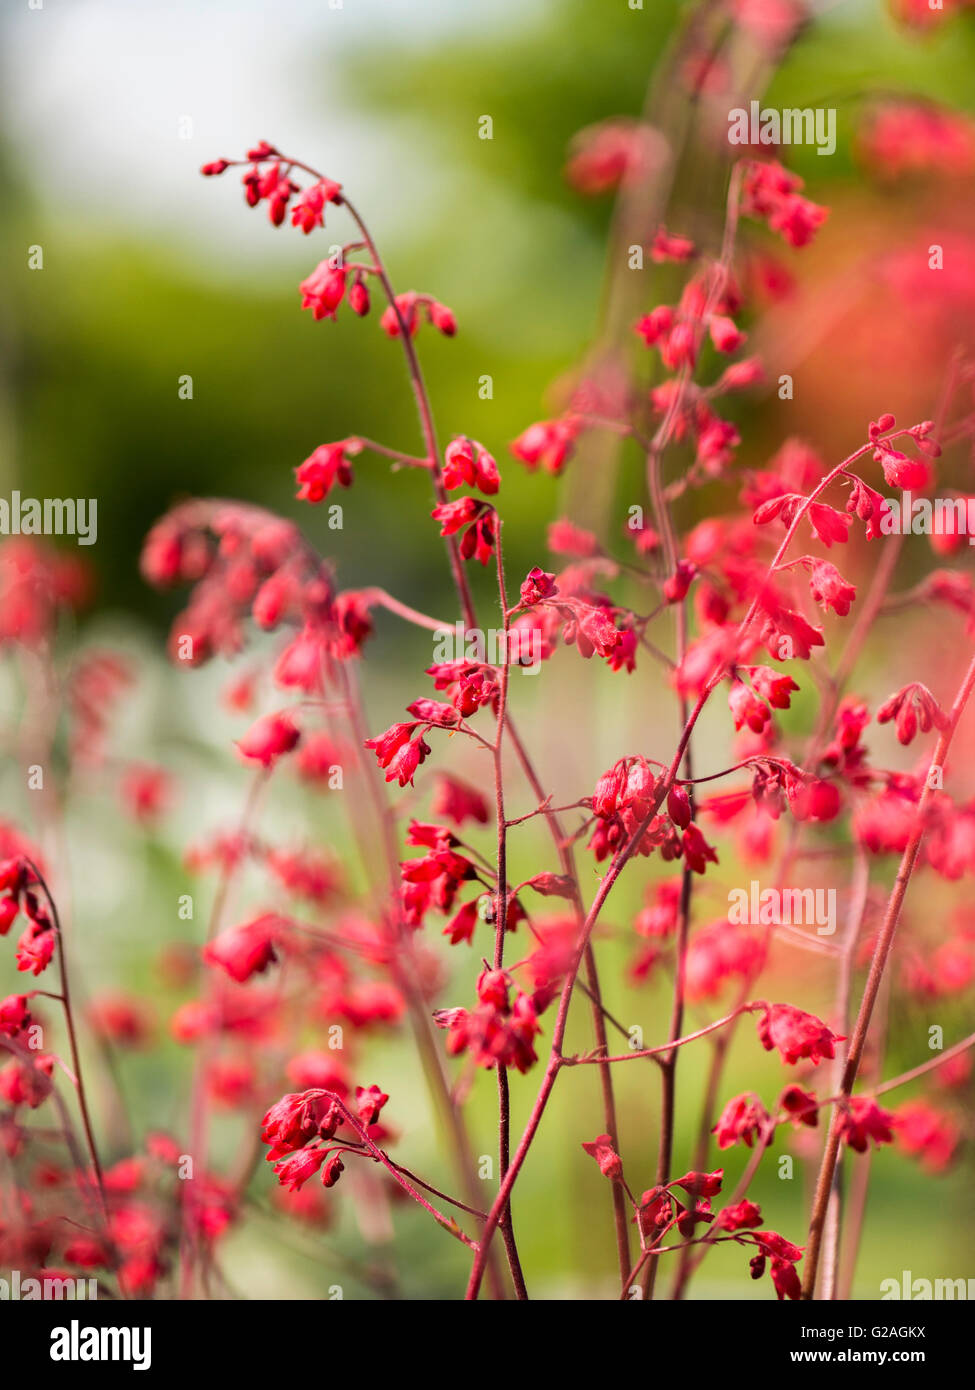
x,y
500,923
198,1115
430,1057
72,1036
592,988
841,1012
877,966
424,411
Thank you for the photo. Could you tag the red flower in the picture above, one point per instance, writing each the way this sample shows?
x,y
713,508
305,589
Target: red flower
x,y
701,1184
549,443
697,852
36,946
912,707
463,924
458,801
901,471
675,588
369,1101
747,708
328,465
296,1119
324,290
800,1105
602,1150
8,914
27,1083
454,516
725,334
296,1168
863,1120
796,1034
773,686
741,1217
308,211
269,738
332,1170
784,1257
666,247
829,588
925,1130
145,791
245,950
468,464
770,192
398,752
537,585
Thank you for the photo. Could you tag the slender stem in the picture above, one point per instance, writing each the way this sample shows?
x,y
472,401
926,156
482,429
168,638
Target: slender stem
x,y
424,411
592,987
841,1012
877,966
664,1048
501,921
72,1035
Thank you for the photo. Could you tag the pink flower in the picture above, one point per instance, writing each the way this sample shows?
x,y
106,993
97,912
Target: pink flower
x,y
666,247
145,791
725,334
900,471
829,588
308,210
747,708
770,192
611,153
926,1130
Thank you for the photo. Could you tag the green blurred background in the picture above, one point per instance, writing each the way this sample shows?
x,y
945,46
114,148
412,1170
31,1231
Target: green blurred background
x,y
151,273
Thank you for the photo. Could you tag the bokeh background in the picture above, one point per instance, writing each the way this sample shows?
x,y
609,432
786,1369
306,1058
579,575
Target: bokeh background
x,y
151,273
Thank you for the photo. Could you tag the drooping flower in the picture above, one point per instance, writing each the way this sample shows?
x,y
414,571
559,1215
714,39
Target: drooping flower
x,y
862,1120
324,289
604,1152
796,1034
269,738
245,950
742,1121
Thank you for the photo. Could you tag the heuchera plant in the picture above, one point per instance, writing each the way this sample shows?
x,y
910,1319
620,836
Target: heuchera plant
x,y
735,620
